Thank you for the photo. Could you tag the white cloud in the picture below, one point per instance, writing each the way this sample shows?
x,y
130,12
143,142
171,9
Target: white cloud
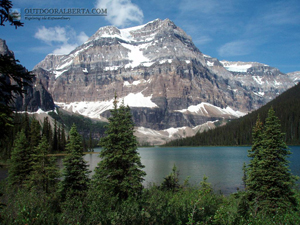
x,y
64,39
202,40
121,13
52,34
82,37
236,48
64,49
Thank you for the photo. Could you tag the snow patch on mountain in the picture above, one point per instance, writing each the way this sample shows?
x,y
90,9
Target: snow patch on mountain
x,y
139,100
171,131
236,66
148,131
136,82
258,79
94,109
136,56
58,73
205,109
210,63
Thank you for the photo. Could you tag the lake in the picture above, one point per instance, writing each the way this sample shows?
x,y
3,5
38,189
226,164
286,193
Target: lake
x,y
222,165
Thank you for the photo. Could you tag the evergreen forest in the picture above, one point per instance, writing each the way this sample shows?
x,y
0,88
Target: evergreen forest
x,y
239,131
36,191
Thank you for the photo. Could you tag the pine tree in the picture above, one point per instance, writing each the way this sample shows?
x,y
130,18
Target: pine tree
x,y
171,182
75,172
35,133
47,131
55,139
46,128
253,171
45,173
120,170
20,162
63,138
270,182
26,124
5,7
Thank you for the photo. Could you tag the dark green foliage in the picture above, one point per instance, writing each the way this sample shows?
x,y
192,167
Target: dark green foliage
x,y
20,162
155,206
13,78
47,132
26,125
75,173
35,133
10,71
62,140
171,182
45,173
270,182
55,138
189,205
239,131
86,127
5,6
120,170
29,207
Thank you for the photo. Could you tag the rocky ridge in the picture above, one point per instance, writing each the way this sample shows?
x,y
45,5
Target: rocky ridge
x,y
158,71
36,97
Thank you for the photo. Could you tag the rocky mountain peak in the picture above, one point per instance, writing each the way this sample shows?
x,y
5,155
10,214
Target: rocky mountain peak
x,y
142,33
4,49
159,72
37,96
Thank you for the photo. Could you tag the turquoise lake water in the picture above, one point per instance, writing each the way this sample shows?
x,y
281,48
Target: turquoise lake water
x,y
222,165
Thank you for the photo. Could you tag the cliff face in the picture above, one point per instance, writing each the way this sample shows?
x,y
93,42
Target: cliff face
x,y
158,71
37,96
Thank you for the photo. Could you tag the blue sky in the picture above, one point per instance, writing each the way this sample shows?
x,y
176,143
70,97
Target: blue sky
x,y
266,31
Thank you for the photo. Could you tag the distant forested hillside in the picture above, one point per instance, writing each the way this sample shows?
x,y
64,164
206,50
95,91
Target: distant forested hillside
x,y
85,125
239,131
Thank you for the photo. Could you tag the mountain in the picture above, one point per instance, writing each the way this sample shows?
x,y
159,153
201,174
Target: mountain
x,y
239,131
37,96
158,71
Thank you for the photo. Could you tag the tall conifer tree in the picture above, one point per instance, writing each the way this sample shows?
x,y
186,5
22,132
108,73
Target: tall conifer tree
x,y
45,173
63,138
20,163
270,182
55,139
253,171
35,133
75,172
120,170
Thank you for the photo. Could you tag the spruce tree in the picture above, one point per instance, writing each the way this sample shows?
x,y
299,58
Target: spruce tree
x,y
253,171
119,173
26,124
35,133
20,162
45,173
59,138
62,138
75,172
55,139
269,180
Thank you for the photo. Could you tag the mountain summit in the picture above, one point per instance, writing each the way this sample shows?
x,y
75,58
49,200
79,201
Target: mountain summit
x,y
158,71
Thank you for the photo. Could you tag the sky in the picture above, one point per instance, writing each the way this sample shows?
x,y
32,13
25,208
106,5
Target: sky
x,y
265,31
